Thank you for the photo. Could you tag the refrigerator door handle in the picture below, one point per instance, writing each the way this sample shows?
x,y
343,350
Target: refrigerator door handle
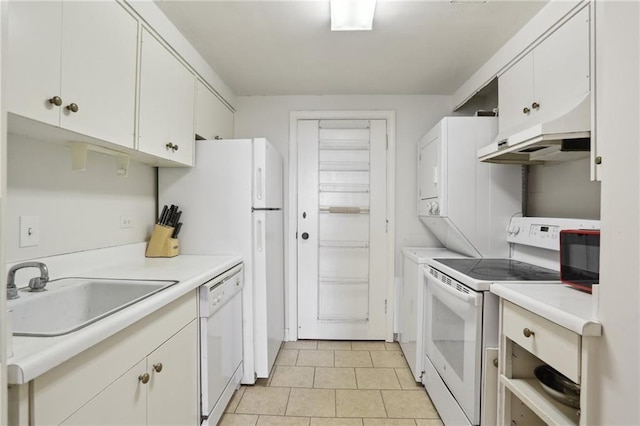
x,y
259,235
259,183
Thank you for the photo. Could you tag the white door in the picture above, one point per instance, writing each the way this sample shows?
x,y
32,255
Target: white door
x,y
342,222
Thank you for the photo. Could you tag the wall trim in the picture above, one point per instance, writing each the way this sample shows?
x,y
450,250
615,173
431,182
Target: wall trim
x,y
292,255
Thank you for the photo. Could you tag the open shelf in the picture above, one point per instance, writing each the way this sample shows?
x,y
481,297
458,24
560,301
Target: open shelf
x,y
552,412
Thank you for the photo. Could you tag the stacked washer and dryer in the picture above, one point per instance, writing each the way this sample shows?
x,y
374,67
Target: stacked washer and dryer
x,y
467,206
464,203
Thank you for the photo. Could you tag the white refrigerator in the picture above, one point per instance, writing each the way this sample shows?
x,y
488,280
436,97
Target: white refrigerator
x,y
231,202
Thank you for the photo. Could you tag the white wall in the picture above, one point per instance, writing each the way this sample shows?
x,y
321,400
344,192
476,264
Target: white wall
x,y
563,190
617,363
77,210
268,116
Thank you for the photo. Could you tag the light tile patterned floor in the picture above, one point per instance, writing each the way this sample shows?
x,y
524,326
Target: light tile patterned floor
x,y
335,383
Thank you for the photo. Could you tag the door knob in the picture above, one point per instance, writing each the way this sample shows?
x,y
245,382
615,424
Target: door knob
x,y
144,378
305,236
526,110
535,105
157,367
528,332
73,107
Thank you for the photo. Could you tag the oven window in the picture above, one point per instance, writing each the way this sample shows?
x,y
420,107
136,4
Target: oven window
x,y
448,335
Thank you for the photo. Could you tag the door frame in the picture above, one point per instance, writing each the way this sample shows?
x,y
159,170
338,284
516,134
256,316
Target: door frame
x,y
291,333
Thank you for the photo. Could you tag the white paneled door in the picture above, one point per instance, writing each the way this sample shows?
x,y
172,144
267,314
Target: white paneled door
x,y
342,225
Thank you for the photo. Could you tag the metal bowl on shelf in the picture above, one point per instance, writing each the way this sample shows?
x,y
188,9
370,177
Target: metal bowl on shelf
x,y
557,385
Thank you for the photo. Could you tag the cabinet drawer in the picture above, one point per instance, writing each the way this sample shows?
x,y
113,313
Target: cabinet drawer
x,y
553,344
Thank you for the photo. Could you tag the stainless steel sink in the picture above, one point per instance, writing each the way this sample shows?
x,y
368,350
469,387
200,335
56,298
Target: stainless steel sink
x,y
69,304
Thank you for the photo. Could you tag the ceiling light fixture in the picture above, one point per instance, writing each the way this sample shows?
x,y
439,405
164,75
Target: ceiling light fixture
x,y
352,15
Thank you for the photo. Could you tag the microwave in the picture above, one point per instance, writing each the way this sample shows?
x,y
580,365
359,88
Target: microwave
x,y
580,258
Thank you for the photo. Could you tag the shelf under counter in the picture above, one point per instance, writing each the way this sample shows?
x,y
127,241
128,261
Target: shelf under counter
x,y
531,393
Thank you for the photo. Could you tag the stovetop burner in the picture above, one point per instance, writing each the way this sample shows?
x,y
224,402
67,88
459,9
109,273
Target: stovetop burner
x,y
501,270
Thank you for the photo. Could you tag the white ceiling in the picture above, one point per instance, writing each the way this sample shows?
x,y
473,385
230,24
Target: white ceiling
x,y
286,48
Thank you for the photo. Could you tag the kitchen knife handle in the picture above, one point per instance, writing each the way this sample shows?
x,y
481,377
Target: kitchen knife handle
x,y
176,230
164,211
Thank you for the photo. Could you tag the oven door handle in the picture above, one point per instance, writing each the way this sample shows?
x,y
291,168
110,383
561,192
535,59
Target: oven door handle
x,y
468,298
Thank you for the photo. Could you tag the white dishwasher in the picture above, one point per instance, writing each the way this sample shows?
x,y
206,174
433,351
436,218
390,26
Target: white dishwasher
x,y
221,365
411,312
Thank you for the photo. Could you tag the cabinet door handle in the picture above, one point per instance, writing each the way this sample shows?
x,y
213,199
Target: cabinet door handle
x,y
175,147
157,367
73,107
144,378
528,332
526,110
535,105
56,100
169,146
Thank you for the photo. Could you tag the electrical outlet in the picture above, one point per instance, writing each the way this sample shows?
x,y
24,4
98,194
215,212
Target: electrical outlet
x,y
126,222
29,231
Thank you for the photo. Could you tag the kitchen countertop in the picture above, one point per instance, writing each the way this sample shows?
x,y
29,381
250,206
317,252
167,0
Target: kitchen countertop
x,y
558,303
33,356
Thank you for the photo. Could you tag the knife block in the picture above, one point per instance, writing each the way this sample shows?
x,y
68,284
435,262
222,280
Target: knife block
x,y
161,244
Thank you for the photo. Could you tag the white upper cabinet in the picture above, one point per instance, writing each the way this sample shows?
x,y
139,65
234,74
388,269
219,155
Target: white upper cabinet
x,y
167,102
214,120
80,76
549,78
33,59
515,94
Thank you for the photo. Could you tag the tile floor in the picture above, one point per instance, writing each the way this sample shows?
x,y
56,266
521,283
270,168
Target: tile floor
x,y
326,383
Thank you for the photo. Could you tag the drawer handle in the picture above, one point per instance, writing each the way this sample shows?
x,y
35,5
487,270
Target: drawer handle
x,y
157,367
144,378
528,332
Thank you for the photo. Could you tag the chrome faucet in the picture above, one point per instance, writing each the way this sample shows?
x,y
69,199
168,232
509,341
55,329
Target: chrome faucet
x,y
35,284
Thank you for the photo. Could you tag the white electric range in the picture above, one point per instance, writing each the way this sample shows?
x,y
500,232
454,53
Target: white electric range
x,y
461,315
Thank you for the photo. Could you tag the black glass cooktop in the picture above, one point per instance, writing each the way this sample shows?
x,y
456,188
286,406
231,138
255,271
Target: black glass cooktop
x,y
501,270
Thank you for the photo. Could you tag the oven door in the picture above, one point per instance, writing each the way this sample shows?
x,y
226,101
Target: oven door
x,y
453,338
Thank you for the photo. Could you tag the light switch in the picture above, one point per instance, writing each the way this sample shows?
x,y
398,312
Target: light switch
x,y
29,231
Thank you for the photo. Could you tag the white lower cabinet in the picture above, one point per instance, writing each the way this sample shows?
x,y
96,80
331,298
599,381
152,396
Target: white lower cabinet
x,y
147,374
527,341
127,393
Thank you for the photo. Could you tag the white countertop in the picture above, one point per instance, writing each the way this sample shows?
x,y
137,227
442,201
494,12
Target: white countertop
x,y
423,254
33,356
558,303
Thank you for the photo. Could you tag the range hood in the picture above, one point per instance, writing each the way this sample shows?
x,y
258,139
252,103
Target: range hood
x,y
562,134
